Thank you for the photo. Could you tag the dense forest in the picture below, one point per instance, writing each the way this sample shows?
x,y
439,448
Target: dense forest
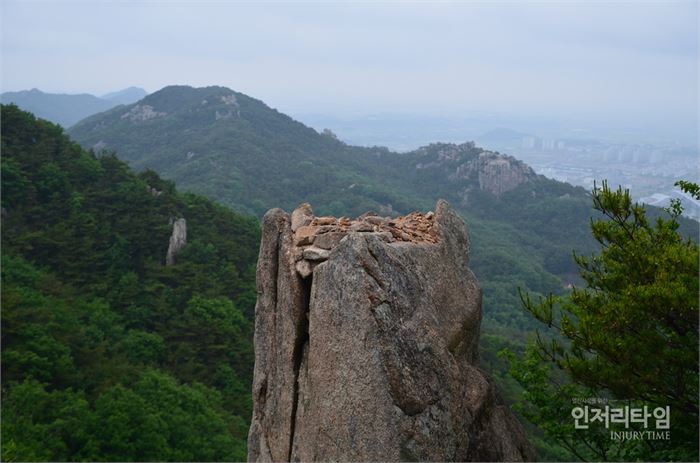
x,y
108,354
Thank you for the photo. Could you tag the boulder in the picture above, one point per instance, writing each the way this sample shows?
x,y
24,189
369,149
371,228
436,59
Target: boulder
x,y
305,235
316,253
304,268
361,227
302,215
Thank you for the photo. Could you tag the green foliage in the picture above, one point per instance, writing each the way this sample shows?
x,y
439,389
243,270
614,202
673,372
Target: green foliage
x,y
153,419
158,419
546,401
630,334
689,187
108,354
41,425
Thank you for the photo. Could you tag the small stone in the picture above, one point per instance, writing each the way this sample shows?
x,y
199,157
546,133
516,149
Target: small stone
x,y
305,235
325,229
395,233
302,215
316,254
375,220
304,268
329,240
429,215
361,227
325,221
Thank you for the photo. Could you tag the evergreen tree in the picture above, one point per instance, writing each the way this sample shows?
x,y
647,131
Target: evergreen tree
x,y
630,334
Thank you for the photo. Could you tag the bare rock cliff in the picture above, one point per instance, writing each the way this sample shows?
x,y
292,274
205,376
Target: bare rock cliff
x,y
467,167
366,336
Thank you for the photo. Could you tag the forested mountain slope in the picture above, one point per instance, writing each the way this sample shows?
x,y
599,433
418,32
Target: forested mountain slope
x,y
108,354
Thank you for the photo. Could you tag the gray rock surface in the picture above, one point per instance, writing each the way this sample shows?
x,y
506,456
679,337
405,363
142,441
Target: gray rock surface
x,y
328,240
315,253
178,240
374,357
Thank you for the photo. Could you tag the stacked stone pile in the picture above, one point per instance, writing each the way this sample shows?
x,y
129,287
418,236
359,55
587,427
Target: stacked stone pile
x,y
315,237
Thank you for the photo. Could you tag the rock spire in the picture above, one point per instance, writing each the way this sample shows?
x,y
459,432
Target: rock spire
x,y
366,344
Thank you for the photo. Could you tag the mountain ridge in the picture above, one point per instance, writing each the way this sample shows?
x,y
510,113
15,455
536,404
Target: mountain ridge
x,y
146,135
248,156
125,96
67,109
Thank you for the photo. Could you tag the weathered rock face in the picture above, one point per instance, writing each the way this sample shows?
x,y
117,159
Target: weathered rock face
x,y
366,344
500,174
140,113
178,240
467,167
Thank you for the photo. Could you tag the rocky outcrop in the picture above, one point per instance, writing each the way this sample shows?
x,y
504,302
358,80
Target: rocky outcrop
x,y
498,174
178,240
366,336
142,112
469,167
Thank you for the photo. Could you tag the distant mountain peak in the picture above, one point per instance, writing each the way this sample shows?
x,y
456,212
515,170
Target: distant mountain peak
x,y
57,107
126,96
67,109
180,99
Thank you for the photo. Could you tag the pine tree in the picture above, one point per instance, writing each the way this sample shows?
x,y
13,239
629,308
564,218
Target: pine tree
x,y
630,334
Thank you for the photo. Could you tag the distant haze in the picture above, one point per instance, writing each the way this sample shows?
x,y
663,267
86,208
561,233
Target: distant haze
x,y
627,65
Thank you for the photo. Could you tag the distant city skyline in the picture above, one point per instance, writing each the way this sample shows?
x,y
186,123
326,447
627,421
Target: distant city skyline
x,y
624,64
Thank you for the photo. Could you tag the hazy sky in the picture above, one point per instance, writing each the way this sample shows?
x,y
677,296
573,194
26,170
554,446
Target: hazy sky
x,y
583,60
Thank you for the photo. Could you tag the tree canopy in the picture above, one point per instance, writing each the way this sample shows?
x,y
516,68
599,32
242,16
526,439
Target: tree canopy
x,y
630,334
108,354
